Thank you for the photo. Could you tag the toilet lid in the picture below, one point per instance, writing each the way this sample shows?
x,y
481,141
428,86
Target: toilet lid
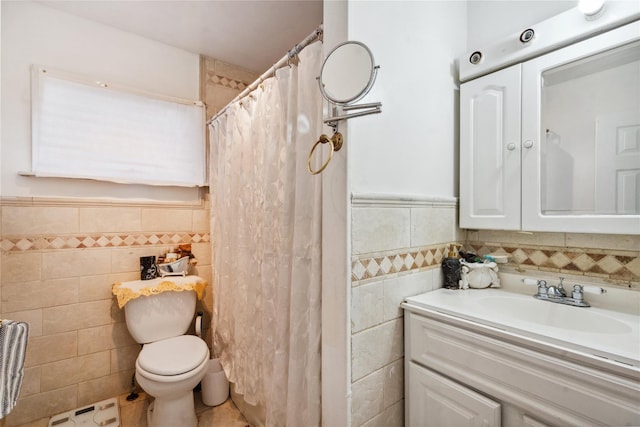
x,y
173,356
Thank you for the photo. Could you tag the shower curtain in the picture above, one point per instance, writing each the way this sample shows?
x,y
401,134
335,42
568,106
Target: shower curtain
x,y
266,231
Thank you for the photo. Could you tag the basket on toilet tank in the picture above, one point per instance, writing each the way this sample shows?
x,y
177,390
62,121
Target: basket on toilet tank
x,y
179,267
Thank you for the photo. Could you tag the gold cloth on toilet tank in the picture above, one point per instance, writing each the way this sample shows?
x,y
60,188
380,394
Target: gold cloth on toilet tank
x,y
126,291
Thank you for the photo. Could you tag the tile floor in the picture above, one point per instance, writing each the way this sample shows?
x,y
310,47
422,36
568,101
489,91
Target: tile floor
x,y
134,414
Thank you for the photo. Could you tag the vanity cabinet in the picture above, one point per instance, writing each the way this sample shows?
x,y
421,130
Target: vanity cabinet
x,y
459,372
553,143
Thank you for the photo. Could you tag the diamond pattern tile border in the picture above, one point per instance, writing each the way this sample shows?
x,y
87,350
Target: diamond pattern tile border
x,y
616,265
22,244
369,267
620,266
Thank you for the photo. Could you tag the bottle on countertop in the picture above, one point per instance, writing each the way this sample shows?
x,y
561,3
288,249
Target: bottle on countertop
x,y
451,269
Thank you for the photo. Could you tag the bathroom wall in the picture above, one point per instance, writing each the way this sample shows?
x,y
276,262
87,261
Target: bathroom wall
x,y
36,34
403,168
403,175
397,246
411,147
65,242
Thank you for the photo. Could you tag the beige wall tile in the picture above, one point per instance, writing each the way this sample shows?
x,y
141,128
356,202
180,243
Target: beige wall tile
x,y
39,294
71,371
376,347
32,317
514,237
94,288
380,229
396,289
393,382
76,316
201,220
219,96
367,398
166,219
102,338
233,71
366,306
202,252
124,358
50,348
393,416
30,381
620,242
21,267
104,387
23,220
75,263
42,405
433,225
110,219
128,259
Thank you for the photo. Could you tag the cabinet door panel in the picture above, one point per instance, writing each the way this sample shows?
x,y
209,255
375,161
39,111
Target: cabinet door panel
x,y
581,172
490,151
437,401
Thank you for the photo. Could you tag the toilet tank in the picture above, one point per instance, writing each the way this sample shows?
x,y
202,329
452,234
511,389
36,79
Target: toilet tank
x,y
156,317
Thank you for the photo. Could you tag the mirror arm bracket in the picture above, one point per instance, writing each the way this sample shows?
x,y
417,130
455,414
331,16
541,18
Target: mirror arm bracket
x,y
372,108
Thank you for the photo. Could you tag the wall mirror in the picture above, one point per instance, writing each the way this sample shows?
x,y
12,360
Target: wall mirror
x,y
347,75
590,120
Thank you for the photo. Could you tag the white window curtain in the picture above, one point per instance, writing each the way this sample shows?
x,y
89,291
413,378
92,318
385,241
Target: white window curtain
x,y
93,131
266,231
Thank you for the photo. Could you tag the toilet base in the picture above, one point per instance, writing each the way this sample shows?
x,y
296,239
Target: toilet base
x,y
172,412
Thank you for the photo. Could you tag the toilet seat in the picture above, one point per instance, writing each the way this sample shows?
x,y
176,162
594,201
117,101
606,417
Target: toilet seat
x,y
173,356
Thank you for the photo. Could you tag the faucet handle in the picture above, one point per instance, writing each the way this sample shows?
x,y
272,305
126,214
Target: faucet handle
x,y
597,290
541,284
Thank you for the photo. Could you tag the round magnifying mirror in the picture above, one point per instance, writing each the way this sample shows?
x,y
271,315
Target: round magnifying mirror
x,y
348,73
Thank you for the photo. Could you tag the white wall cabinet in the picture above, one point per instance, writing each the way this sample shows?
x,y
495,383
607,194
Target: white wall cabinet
x,y
553,143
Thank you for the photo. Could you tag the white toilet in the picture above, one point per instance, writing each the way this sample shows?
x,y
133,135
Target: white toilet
x,y
170,363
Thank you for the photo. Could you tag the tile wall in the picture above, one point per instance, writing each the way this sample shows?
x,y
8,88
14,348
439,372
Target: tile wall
x,y
397,247
59,260
612,259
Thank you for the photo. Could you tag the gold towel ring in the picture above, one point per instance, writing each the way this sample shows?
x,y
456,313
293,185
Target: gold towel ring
x,y
335,142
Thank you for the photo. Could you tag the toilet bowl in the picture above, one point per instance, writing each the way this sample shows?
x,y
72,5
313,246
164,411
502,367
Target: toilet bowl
x,y
170,363
169,370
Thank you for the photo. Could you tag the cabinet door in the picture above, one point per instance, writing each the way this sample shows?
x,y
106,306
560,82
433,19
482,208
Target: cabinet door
x,y
581,136
490,151
437,401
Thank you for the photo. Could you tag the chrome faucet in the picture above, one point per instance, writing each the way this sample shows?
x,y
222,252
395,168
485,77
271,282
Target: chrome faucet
x,y
559,295
557,291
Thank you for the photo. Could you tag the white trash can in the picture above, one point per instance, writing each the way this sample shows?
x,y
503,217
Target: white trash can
x,y
215,386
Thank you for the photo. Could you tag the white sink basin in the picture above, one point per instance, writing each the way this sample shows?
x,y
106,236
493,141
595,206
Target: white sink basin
x,y
597,332
545,313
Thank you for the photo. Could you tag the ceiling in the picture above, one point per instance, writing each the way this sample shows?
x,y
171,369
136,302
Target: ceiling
x,y
253,34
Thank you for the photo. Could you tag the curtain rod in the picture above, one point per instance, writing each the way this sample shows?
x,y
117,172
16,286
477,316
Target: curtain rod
x,y
316,34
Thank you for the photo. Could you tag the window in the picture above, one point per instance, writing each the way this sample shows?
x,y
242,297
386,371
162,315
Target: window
x,y
93,130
